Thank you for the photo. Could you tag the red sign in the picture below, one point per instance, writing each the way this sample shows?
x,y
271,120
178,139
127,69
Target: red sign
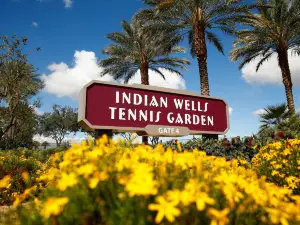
x,y
150,110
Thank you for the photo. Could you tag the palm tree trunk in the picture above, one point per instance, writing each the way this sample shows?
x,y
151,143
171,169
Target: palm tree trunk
x,y
201,51
286,78
204,83
144,67
144,74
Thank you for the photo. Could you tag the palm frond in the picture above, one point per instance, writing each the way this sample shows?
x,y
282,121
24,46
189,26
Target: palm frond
x,y
136,46
265,58
275,114
127,29
213,38
191,43
168,61
276,26
172,70
159,72
178,16
130,74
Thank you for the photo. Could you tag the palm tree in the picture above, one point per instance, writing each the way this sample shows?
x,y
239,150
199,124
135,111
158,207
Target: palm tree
x,y
276,29
197,20
274,116
133,50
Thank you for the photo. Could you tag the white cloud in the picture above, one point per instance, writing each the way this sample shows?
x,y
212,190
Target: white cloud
x,y
35,24
230,110
258,112
269,72
41,139
71,138
38,111
65,81
68,3
261,111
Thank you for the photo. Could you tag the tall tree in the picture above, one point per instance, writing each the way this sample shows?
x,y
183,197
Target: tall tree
x,y
134,49
196,20
275,29
59,123
18,84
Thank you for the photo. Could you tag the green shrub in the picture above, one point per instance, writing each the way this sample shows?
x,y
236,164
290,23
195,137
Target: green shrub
x,y
236,148
23,166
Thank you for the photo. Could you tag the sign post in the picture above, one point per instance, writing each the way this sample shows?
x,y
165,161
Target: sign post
x,y
152,111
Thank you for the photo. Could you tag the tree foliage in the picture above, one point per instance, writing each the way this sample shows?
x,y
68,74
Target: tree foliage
x,y
277,122
19,83
133,50
274,116
291,127
275,29
197,21
59,123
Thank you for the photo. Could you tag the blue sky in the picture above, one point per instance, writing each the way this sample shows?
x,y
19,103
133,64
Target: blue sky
x,y
61,27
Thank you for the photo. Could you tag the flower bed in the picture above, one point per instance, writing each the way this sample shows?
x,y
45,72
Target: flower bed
x,y
110,184
279,162
19,169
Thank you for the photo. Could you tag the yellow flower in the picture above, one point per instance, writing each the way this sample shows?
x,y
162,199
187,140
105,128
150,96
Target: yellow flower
x,y
28,191
141,181
243,162
159,148
25,176
292,182
179,146
234,163
164,209
278,166
274,172
53,207
66,180
202,200
186,198
277,216
173,196
86,170
218,217
18,200
98,176
5,181
276,145
287,151
192,186
37,202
